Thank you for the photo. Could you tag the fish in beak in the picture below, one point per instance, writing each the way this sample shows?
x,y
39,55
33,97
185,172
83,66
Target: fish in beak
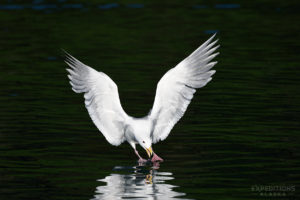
x,y
149,152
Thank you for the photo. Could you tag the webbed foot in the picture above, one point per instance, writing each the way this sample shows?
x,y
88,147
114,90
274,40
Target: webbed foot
x,y
156,158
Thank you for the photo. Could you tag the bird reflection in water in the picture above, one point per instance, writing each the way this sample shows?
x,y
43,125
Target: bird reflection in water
x,y
137,182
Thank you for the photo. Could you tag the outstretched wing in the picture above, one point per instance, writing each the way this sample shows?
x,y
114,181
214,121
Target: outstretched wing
x,y
175,89
101,99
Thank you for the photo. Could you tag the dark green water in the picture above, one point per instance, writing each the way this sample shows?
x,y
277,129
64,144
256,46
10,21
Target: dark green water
x,y
239,138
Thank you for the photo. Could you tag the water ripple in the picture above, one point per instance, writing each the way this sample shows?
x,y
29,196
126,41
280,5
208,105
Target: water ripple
x,y
141,182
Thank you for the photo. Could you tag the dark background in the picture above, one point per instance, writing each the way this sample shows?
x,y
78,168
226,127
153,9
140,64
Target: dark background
x,y
240,132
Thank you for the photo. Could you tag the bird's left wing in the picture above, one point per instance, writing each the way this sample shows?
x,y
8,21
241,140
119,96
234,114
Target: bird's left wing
x,y
176,88
101,99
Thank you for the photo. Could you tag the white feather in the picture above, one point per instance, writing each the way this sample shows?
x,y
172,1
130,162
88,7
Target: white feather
x,y
101,99
174,93
176,88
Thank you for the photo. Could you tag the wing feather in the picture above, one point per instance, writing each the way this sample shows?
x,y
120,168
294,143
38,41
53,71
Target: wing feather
x,y
101,99
176,88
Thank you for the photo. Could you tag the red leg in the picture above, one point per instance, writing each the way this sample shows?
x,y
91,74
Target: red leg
x,y
156,158
140,158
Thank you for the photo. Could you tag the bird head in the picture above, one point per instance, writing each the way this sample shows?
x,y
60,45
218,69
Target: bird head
x,y
146,144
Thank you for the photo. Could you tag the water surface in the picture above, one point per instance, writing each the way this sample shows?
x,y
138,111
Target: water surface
x,y
239,136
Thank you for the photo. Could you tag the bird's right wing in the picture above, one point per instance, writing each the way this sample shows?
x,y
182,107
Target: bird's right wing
x,y
176,88
101,99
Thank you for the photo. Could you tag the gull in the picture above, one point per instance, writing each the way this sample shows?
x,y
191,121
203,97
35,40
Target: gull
x,y
174,93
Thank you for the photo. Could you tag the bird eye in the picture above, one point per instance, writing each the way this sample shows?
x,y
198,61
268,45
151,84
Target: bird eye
x,y
143,141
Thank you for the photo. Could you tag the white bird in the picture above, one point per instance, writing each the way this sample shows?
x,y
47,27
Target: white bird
x,y
174,93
